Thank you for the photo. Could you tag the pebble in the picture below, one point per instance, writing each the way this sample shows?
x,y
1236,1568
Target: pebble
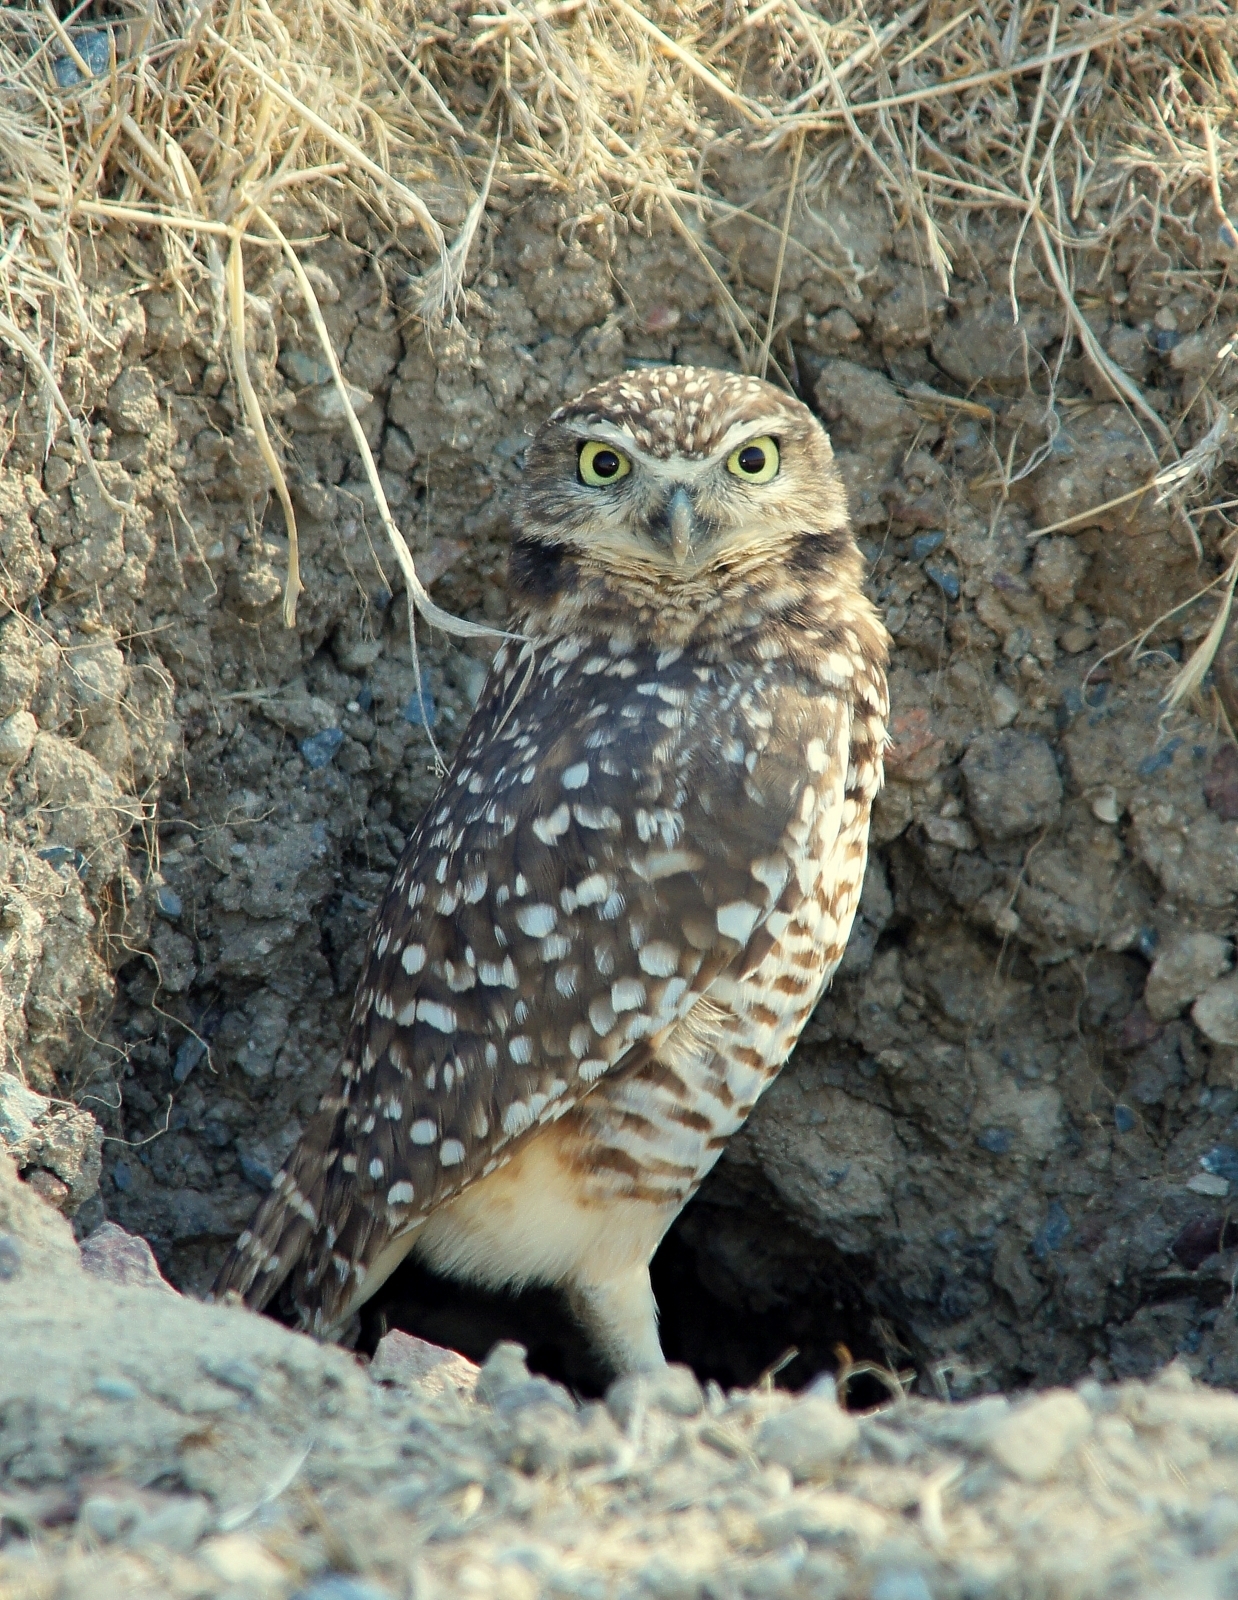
x,y
1033,1440
337,1587
900,1583
969,1426
105,1518
1013,784
822,1518
94,49
946,579
17,734
1183,969
178,1525
1222,1160
320,748
116,1389
119,1257
809,1438
505,1383
10,1259
168,903
1215,1013
1054,1231
238,1558
402,1358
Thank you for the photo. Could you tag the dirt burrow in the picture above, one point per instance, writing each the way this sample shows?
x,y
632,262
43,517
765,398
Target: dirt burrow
x,y
1004,1149
153,1446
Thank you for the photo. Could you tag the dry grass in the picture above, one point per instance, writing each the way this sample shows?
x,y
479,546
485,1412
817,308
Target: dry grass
x,y
194,121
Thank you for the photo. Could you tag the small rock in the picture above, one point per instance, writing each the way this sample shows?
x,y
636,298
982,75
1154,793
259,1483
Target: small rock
x,y
1105,806
809,1438
320,748
133,400
115,1389
505,1383
1057,570
337,1587
17,735
1034,1439
1209,1183
177,1525
168,903
1013,785
119,1257
238,1558
1221,784
1215,1013
1222,1160
402,1358
673,1389
822,1518
1183,969
900,1583
95,50
969,1426
104,1518
10,1259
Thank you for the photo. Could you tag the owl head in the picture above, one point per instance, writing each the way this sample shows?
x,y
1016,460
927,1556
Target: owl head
x,y
674,477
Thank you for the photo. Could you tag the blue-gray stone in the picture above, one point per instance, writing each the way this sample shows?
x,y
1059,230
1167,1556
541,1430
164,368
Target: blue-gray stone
x,y
116,1389
320,748
945,578
997,1141
1146,942
924,544
900,1583
1222,1161
187,1057
1159,760
338,1587
1054,1232
122,1177
56,855
412,712
94,49
168,903
1124,1119
256,1172
10,1258
365,697
308,372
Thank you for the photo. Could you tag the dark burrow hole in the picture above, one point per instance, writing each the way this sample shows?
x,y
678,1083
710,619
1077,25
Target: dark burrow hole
x,y
739,1284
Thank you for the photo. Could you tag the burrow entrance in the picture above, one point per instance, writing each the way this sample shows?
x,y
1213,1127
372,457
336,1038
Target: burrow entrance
x,y
741,1288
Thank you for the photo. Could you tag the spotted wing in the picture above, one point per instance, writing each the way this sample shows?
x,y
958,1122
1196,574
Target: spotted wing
x,y
613,835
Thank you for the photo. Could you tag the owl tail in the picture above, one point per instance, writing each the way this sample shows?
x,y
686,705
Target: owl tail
x,y
281,1230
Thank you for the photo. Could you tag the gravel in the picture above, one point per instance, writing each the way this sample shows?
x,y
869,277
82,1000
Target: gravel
x,y
153,1445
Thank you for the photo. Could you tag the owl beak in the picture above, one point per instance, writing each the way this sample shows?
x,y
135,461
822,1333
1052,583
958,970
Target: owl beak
x,y
681,516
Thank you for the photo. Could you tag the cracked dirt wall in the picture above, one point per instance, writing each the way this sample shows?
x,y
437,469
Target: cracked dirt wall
x,y
1010,1129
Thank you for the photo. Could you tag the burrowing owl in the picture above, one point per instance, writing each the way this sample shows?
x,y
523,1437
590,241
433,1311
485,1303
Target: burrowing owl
x,y
606,933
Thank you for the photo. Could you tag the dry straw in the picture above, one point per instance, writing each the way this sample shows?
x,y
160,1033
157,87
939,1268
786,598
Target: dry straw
x,y
195,120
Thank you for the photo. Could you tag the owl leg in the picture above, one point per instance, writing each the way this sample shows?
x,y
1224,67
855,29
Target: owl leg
x,y
621,1317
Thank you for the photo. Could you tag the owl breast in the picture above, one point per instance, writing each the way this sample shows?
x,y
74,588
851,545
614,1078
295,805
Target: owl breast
x,y
785,802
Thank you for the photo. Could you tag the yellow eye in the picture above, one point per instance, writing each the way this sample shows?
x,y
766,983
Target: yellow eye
x,y
757,461
600,464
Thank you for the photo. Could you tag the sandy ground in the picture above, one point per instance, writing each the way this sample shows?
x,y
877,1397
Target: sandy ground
x,y
151,1445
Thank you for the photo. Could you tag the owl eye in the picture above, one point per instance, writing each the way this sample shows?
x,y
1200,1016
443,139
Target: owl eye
x,y
600,464
757,460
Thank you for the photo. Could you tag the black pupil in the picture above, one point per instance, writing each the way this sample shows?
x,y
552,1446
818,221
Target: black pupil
x,y
751,458
605,463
